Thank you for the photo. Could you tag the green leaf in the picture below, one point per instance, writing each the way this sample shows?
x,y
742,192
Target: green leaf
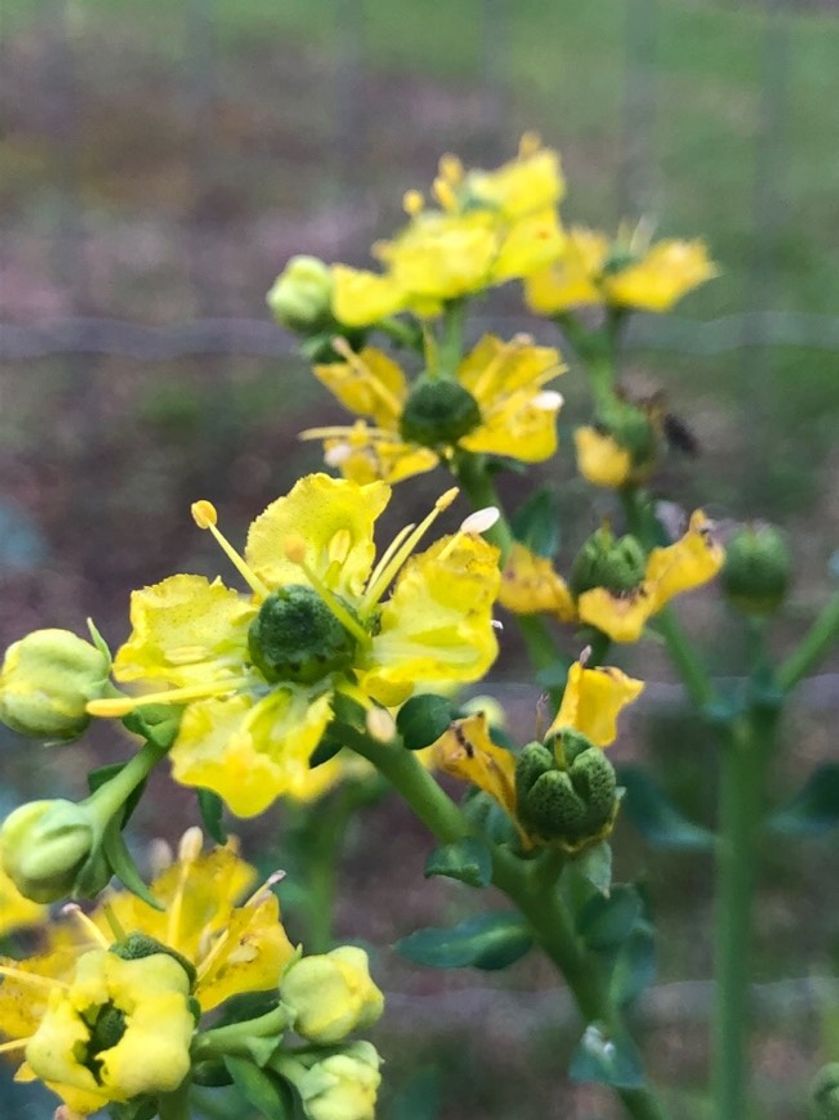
x,y
123,866
211,808
536,523
468,860
635,965
266,1092
604,923
607,1059
595,866
815,808
423,719
656,818
488,941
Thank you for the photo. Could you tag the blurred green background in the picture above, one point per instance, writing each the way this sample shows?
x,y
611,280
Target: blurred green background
x,y
160,163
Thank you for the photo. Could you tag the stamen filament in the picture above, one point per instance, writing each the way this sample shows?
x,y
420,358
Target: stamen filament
x,y
86,924
386,556
15,1044
114,922
346,431
205,516
363,371
295,551
189,850
376,588
272,880
31,978
116,707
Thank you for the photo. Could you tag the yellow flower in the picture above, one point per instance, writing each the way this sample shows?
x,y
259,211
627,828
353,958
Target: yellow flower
x,y
466,751
360,298
530,584
592,702
332,994
256,674
337,1086
496,403
627,273
529,183
17,912
601,459
119,1029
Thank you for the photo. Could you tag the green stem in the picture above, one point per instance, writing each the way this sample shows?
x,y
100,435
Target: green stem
x,y
742,780
451,341
405,334
694,675
816,642
111,796
234,1039
175,1106
532,891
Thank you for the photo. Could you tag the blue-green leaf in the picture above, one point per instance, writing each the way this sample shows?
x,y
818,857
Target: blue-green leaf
x,y
595,866
815,808
656,818
608,1059
211,808
488,941
634,967
468,860
423,719
604,923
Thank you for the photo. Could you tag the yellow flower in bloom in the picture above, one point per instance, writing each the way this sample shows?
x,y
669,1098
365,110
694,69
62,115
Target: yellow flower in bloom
x,y
466,751
601,459
212,922
530,585
624,274
495,403
593,700
530,183
256,674
360,298
17,912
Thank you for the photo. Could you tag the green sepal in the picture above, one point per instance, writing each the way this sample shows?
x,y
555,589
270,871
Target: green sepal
x,y
489,942
211,807
536,523
157,723
656,818
468,860
634,967
605,923
815,808
263,1090
594,866
213,1075
99,641
423,719
140,1108
607,1059
123,866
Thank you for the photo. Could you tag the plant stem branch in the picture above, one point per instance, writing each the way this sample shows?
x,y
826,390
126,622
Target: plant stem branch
x,y
111,796
816,642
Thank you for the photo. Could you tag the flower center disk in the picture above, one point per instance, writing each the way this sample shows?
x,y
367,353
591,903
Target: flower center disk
x,y
438,411
295,637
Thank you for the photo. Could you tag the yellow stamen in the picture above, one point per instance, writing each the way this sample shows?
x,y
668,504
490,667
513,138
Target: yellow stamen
x,y
272,880
345,432
189,850
376,588
385,558
295,550
31,978
529,144
15,1044
365,374
413,203
117,707
205,517
444,193
481,520
451,169
86,924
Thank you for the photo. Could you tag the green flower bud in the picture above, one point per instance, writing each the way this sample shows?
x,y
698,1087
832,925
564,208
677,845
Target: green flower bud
x,y
603,561
632,428
824,1093
296,637
340,1086
438,412
331,994
570,797
756,572
46,680
301,296
45,845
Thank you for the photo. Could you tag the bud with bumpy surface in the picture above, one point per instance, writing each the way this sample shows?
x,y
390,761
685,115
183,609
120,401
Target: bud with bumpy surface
x,y
617,564
756,573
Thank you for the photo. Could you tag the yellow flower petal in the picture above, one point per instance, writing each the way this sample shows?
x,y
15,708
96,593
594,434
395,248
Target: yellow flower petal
x,y
529,585
17,912
668,271
690,562
373,386
435,628
250,753
495,367
22,1004
334,518
521,426
593,700
622,617
360,298
601,459
364,456
530,245
185,630
521,186
466,751
573,279
443,256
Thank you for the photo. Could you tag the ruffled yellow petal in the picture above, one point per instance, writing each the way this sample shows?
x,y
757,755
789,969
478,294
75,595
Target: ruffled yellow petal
x,y
529,585
573,279
436,628
690,562
495,368
185,630
17,912
250,753
523,185
22,1004
251,957
372,386
593,700
668,271
334,518
442,256
466,751
529,246
522,426
601,459
622,617
360,298
366,456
